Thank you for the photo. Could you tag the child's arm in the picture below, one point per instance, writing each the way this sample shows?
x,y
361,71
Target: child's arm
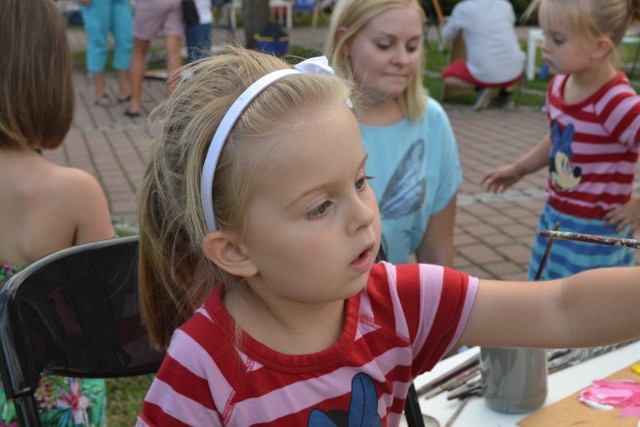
x,y
436,246
498,180
592,308
627,214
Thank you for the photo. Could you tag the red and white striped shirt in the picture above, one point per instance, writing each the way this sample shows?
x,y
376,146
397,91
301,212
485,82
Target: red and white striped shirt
x,y
603,148
399,326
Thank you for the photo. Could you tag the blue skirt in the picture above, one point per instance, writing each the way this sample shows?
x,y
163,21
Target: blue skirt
x,y
566,257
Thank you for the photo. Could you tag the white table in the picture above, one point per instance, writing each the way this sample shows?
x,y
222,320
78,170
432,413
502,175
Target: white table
x,y
561,384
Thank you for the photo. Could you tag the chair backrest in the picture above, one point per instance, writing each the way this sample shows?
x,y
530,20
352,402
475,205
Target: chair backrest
x,y
73,313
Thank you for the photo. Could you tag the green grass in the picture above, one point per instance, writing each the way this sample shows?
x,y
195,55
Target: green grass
x,y
124,399
155,55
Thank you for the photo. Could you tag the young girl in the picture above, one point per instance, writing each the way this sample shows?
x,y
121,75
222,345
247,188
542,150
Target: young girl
x,y
592,148
411,147
256,213
45,207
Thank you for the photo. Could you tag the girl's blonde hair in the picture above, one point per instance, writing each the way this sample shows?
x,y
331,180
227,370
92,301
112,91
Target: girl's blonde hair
x,y
591,18
36,88
355,15
174,274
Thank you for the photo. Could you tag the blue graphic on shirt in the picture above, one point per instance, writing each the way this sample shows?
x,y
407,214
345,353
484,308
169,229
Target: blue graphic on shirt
x,y
363,408
406,189
564,176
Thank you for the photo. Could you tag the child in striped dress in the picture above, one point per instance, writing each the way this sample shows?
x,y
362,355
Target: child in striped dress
x,y
258,235
592,147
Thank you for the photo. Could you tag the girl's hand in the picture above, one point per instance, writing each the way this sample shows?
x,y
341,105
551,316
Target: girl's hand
x,y
500,179
627,214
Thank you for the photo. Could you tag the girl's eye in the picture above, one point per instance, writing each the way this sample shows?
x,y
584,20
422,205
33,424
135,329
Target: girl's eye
x,y
362,182
383,46
412,48
319,211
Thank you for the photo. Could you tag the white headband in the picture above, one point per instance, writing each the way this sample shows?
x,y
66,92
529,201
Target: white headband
x,y
317,65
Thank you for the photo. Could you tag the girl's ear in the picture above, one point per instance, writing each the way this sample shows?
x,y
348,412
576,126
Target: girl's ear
x,y
223,249
602,48
345,50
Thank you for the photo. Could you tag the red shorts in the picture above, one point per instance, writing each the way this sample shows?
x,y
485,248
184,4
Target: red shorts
x,y
458,68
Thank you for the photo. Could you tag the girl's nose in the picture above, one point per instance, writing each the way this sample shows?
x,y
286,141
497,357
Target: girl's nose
x,y
363,212
544,45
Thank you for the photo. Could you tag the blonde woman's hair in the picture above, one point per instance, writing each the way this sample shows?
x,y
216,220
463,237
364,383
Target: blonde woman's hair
x,y
36,89
174,274
355,15
591,18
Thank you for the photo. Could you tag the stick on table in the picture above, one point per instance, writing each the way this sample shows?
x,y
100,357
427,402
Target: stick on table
x,y
457,412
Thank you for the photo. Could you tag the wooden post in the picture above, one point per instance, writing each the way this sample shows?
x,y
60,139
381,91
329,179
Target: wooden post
x,y
256,15
436,6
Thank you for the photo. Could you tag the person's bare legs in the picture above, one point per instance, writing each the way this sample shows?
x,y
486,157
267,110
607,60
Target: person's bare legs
x,y
138,65
124,84
458,83
173,46
102,98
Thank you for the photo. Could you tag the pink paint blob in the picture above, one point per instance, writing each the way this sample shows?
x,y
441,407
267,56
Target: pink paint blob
x,y
604,394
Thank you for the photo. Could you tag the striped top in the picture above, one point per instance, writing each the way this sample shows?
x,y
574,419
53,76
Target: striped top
x,y
594,148
397,327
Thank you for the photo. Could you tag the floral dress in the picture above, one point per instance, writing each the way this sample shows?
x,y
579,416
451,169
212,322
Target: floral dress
x,y
62,401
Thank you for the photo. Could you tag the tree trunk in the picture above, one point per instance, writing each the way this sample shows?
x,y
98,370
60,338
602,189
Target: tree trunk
x,y
256,15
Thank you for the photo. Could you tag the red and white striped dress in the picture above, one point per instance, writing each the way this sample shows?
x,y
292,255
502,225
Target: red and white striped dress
x,y
592,167
399,326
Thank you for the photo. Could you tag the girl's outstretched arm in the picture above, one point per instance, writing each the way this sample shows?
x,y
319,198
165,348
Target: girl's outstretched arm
x,y
595,307
498,180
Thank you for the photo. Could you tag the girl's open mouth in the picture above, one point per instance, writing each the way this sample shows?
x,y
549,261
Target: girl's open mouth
x,y
362,264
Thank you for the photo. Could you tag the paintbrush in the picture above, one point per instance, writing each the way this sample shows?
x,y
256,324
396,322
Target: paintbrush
x,y
591,238
546,253
454,382
450,375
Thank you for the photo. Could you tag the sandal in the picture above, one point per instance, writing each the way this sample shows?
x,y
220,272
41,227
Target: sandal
x,y
103,101
125,99
131,114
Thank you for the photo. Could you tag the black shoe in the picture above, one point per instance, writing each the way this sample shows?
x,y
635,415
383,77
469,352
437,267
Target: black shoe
x,y
502,100
131,114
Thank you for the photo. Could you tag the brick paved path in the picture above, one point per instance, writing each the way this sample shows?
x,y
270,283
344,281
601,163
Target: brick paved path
x,y
493,233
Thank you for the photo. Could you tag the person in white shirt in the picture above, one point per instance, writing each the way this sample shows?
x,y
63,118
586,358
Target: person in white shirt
x,y
494,58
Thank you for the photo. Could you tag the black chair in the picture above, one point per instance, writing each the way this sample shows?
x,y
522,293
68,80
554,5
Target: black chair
x,y
73,313
412,411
